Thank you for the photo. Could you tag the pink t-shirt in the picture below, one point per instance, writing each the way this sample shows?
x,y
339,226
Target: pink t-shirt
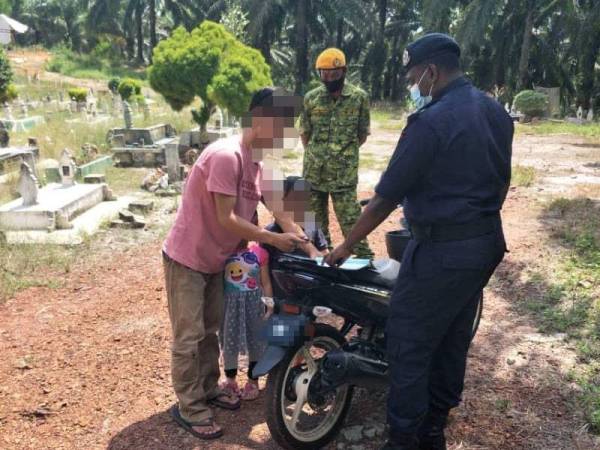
x,y
196,239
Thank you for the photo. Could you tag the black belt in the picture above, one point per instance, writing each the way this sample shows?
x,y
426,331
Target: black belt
x,y
456,232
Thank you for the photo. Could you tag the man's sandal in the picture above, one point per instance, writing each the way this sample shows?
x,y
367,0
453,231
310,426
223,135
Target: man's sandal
x,y
189,426
220,403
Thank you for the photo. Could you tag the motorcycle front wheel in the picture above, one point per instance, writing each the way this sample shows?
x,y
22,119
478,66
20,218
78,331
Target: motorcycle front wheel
x,y
298,419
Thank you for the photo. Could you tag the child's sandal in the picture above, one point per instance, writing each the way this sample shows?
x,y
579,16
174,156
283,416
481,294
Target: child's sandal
x,y
250,392
230,388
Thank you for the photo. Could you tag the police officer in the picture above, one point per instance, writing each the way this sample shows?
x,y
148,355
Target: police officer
x,y
452,169
334,124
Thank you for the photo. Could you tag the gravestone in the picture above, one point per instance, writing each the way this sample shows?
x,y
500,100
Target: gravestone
x,y
67,168
8,111
590,115
27,185
579,113
127,115
146,111
4,136
23,106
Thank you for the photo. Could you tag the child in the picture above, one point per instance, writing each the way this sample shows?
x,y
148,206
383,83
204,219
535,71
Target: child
x,y
296,205
246,280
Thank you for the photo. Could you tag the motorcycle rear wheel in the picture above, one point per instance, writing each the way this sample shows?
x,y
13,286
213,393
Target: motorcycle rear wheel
x,y
289,380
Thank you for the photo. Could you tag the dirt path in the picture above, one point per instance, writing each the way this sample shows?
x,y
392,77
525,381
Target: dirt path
x,y
87,365
31,64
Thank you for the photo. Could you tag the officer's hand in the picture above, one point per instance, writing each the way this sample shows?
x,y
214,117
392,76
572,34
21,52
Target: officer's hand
x,y
337,256
287,242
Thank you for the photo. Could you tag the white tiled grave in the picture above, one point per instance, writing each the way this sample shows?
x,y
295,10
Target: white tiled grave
x,y
56,206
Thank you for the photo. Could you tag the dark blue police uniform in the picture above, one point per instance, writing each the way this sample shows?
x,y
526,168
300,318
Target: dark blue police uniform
x,y
451,168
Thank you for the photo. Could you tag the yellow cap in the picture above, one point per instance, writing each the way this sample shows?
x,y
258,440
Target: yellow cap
x,y
331,58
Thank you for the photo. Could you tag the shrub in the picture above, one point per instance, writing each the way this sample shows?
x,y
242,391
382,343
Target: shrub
x,y
531,103
78,94
10,94
113,84
210,63
6,74
129,87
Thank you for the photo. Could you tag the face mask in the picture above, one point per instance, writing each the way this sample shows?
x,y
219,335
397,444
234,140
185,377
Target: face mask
x,y
415,94
334,86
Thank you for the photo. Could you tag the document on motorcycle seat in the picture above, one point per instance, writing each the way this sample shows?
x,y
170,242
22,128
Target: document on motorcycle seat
x,y
349,264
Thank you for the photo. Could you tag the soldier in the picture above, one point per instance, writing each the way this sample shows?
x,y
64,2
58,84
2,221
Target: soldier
x,y
333,125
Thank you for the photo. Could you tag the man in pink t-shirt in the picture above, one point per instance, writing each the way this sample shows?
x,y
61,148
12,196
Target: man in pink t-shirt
x,y
218,205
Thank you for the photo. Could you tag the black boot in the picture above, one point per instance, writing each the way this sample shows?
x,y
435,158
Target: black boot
x,y
431,431
402,442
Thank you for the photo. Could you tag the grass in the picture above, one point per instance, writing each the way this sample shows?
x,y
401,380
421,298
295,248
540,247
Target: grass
x,y
125,180
523,176
388,116
24,266
90,66
372,162
568,292
591,131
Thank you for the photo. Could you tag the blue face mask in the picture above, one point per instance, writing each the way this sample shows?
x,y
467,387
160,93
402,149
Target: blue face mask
x,y
416,96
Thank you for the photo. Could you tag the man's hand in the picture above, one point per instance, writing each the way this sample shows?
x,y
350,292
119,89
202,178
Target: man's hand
x,y
286,242
337,256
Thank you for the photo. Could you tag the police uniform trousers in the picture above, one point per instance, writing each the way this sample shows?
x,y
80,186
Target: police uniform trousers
x,y
347,211
429,330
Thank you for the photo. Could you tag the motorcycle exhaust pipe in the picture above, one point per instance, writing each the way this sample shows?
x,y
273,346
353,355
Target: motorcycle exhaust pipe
x,y
342,367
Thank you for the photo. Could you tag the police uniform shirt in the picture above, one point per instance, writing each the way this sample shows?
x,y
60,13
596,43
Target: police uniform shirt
x,y
452,162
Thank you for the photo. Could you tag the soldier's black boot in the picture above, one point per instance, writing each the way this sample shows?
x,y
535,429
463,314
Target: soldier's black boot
x,y
402,442
431,432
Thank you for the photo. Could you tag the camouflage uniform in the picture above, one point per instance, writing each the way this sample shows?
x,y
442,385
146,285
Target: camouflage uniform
x,y
335,128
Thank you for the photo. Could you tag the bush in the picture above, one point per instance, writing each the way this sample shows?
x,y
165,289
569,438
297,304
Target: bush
x,y
129,87
113,84
78,94
10,94
6,74
531,103
210,63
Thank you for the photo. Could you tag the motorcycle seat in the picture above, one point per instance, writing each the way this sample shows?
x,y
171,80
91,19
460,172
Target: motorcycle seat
x,y
382,272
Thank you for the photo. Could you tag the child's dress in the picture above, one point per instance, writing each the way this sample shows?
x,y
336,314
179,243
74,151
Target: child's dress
x,y
242,320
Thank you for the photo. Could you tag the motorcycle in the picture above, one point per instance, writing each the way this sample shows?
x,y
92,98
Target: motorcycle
x,y
314,366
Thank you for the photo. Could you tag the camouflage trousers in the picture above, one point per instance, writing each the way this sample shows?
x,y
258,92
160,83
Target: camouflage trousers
x,y
347,210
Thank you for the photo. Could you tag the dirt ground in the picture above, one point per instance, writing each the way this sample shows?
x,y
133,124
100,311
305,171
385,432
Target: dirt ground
x,y
86,365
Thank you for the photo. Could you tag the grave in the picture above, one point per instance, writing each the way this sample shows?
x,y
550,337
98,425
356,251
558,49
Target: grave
x,y
58,213
194,138
12,157
23,123
153,146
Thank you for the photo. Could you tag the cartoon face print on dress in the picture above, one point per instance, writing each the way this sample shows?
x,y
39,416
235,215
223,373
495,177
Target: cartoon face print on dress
x,y
236,271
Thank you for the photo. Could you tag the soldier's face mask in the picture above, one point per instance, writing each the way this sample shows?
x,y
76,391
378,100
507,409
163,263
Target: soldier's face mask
x,y
333,79
417,97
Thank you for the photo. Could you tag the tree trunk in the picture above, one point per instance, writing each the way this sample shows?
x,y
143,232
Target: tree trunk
x,y
265,44
301,46
153,37
339,36
525,49
139,31
380,52
390,84
587,62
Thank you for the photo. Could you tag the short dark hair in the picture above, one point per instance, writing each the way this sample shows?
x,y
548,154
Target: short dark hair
x,y
262,97
274,102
